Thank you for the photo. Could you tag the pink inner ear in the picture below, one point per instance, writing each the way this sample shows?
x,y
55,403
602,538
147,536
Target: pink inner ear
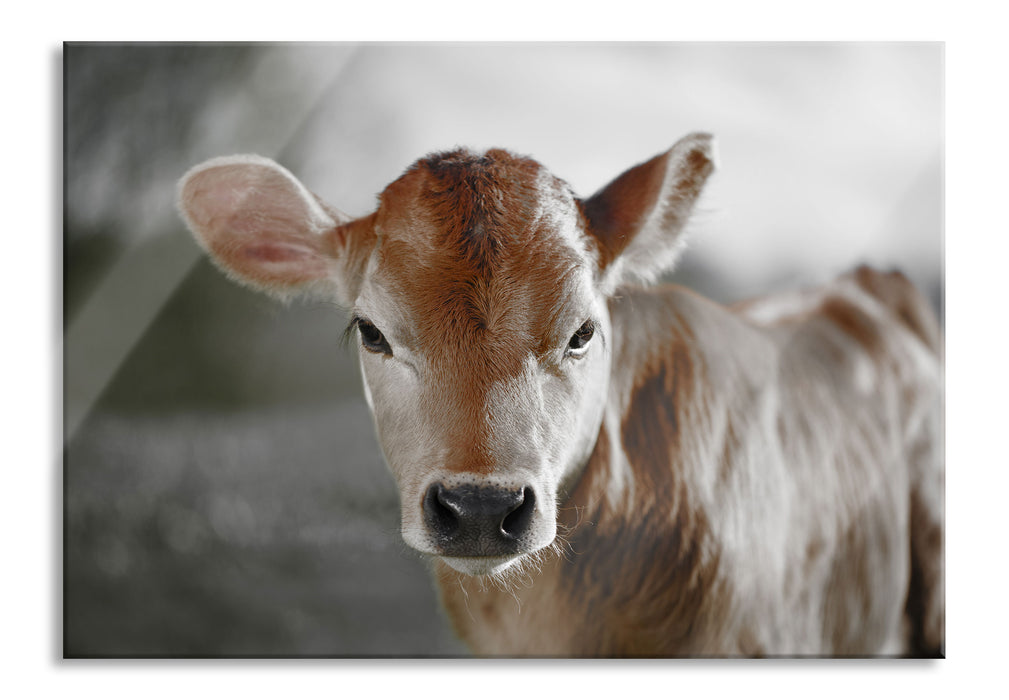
x,y
279,253
274,264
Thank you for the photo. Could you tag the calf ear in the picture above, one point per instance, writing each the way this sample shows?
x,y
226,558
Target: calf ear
x,y
638,219
265,229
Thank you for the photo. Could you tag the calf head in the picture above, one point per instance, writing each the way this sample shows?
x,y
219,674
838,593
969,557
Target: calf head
x,y
479,289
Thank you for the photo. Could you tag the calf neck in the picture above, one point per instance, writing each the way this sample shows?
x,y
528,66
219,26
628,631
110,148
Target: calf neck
x,y
598,467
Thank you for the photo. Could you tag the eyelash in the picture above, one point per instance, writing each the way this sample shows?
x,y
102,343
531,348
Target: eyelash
x,y
372,338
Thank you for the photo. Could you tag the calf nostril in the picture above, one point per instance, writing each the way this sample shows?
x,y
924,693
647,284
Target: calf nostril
x,y
440,511
517,521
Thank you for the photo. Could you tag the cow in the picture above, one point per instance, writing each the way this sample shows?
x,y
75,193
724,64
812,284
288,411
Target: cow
x,y
599,466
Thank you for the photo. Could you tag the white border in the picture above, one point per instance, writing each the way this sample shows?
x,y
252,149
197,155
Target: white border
x,y
975,243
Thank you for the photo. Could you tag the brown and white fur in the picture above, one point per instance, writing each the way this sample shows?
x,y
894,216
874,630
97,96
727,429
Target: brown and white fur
x,y
599,467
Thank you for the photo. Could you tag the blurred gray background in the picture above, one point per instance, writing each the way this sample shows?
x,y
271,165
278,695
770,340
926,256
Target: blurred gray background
x,y
223,491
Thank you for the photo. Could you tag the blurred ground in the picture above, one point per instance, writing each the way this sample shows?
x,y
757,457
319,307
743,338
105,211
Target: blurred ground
x,y
223,491
206,535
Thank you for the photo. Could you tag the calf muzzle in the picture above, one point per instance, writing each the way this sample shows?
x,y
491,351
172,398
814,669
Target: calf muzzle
x,y
478,521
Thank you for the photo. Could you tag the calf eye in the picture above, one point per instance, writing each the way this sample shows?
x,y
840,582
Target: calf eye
x,y
372,338
580,340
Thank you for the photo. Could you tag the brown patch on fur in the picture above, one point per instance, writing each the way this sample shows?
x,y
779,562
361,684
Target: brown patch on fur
x,y
490,611
481,275
649,570
814,554
618,212
473,199
897,293
853,321
925,608
620,209
454,599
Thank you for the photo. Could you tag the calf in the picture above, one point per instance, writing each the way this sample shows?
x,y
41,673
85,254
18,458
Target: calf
x,y
600,468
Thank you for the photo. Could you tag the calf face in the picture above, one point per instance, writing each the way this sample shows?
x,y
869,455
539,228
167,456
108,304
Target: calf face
x,y
479,290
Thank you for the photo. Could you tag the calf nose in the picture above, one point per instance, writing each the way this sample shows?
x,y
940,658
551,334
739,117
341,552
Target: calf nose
x,y
471,521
